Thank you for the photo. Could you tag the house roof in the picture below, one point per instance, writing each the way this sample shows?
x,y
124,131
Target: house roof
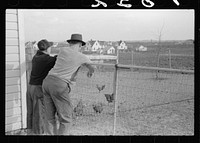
x,y
108,47
91,42
102,43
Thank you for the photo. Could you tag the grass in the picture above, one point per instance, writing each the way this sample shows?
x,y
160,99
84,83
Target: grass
x,y
150,60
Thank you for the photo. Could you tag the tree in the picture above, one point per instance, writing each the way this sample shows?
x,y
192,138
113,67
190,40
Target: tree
x,y
160,34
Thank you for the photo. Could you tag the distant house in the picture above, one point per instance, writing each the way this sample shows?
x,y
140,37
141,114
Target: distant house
x,y
55,44
88,46
96,45
189,41
141,48
30,44
35,47
109,49
122,45
92,46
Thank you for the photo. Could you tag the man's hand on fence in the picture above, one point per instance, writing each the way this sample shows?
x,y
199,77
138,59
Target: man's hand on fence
x,y
89,74
90,68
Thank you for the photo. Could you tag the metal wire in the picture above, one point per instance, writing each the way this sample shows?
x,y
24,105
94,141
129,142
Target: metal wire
x,y
135,89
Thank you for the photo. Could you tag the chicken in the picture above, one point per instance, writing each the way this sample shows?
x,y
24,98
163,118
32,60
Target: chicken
x,y
109,97
100,88
78,110
98,108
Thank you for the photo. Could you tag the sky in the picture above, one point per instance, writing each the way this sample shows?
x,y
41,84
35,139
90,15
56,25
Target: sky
x,y
108,25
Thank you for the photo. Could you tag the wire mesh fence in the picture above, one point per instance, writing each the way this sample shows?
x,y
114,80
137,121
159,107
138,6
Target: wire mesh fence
x,y
136,88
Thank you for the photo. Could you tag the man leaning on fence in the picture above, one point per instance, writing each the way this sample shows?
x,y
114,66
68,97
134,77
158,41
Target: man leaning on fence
x,y
42,62
56,86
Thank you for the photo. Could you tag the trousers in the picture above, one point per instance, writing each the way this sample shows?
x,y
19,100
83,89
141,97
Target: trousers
x,y
57,102
35,109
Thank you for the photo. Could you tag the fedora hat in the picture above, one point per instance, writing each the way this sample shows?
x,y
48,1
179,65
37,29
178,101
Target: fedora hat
x,y
76,37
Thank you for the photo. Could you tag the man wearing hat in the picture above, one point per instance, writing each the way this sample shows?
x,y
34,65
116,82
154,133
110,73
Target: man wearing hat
x,y
56,85
42,62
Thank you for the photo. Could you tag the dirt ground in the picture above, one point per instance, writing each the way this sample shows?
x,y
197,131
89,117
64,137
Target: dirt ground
x,y
169,119
145,106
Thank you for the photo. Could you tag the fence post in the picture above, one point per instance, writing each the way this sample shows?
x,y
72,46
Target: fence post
x,y
115,93
132,61
170,66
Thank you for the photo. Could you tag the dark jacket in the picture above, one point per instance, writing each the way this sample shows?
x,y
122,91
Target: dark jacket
x,y
41,65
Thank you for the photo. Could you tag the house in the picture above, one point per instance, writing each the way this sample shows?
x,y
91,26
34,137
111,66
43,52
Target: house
x,y
55,44
122,45
35,47
88,46
95,46
141,48
15,71
109,49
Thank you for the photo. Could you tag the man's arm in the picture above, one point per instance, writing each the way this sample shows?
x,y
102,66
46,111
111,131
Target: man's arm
x,y
90,68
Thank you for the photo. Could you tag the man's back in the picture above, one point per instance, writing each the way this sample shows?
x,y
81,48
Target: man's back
x,y
68,61
41,64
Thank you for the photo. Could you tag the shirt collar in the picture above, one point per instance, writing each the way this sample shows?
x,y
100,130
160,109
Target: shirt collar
x,y
40,52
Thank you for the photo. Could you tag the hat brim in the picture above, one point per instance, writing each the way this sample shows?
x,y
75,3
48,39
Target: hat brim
x,y
83,43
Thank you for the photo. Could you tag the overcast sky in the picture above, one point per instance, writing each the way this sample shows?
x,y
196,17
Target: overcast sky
x,y
108,25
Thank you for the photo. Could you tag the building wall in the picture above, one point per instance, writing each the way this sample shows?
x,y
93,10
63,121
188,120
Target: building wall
x,y
15,86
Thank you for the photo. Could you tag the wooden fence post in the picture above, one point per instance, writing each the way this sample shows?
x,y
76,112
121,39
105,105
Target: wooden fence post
x,y
132,61
170,66
115,80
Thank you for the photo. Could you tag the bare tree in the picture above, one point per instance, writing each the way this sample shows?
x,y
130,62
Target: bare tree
x,y
160,34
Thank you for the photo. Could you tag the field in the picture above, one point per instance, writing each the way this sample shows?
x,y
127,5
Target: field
x,y
182,57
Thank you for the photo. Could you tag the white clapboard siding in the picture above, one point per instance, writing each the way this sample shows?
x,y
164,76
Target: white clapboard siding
x,y
11,26
13,119
11,17
11,34
12,65
13,126
11,11
13,104
13,112
12,57
12,42
13,96
22,67
12,73
15,71
12,88
12,49
12,80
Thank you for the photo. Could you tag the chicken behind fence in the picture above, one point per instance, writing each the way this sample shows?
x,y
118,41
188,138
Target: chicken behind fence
x,y
100,88
98,108
78,110
109,97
